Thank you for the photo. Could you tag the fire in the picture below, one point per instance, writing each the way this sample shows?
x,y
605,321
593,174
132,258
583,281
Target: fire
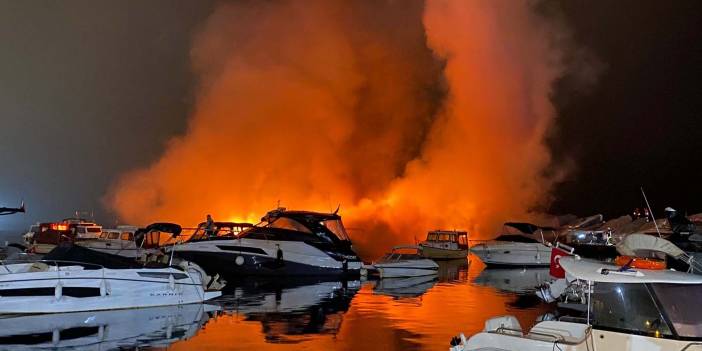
x,y
412,116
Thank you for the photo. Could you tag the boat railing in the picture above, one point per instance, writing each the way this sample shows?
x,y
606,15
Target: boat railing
x,y
691,345
520,333
6,264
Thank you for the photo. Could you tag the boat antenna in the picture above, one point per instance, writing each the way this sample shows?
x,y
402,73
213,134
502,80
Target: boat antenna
x,y
651,212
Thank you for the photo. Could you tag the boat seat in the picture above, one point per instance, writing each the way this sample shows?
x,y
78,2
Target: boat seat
x,y
504,324
571,333
38,267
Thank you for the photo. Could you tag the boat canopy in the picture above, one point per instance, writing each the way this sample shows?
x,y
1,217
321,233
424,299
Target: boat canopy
x,y
172,228
641,244
597,271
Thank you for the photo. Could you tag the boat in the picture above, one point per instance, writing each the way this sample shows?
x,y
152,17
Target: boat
x,y
5,211
54,286
405,261
625,309
284,243
104,330
445,245
520,245
47,236
119,241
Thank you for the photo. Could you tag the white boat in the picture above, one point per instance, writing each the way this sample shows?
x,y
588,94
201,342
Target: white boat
x,y
104,330
55,286
626,309
405,261
285,243
445,245
119,241
521,245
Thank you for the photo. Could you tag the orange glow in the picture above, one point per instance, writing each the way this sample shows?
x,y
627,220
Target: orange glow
x,y
59,227
303,103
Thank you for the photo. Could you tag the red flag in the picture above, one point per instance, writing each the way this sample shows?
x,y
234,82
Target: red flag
x,y
556,270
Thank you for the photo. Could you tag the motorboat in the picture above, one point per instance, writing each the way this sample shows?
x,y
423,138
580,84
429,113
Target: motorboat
x,y
520,245
49,286
46,236
284,243
405,261
445,245
625,309
105,330
119,241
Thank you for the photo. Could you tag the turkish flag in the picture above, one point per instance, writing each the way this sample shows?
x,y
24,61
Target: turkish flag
x,y
556,270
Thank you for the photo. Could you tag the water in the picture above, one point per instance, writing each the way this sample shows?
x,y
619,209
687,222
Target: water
x,y
400,314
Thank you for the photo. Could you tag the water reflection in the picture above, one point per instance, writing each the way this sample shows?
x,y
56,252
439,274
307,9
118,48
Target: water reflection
x,y
405,287
515,280
384,315
104,330
290,308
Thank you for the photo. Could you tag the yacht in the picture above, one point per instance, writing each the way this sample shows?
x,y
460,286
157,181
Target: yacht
x,y
405,261
445,245
104,330
625,309
50,286
520,245
284,243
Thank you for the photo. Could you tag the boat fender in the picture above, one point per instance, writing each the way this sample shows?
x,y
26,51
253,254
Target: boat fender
x,y
239,260
58,291
103,288
55,337
171,282
345,265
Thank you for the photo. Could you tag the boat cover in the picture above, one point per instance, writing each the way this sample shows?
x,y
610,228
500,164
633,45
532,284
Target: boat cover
x,y
640,244
77,253
596,271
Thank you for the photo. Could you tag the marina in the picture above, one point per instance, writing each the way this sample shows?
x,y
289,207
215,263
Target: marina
x,y
456,175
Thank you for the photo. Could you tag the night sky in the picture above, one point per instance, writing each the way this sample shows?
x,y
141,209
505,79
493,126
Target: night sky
x,y
90,90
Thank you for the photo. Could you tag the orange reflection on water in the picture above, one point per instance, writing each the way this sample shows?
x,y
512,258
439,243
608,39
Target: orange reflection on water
x,y
315,318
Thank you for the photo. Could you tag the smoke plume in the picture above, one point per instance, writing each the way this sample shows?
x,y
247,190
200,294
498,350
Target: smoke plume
x,y
412,116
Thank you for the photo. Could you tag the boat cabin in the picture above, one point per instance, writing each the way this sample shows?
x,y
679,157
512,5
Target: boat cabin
x,y
325,231
67,230
460,239
656,303
220,230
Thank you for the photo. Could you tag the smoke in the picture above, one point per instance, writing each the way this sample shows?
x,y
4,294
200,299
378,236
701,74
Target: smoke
x,y
412,116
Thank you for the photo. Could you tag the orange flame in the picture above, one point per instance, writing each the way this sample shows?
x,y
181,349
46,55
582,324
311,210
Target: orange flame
x,y
412,117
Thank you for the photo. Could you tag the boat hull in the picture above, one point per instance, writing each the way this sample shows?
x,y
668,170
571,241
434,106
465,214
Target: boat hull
x,y
235,258
513,254
410,268
76,290
437,253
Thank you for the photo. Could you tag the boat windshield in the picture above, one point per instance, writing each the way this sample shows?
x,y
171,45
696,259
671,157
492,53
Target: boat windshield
x,y
335,226
680,303
629,308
